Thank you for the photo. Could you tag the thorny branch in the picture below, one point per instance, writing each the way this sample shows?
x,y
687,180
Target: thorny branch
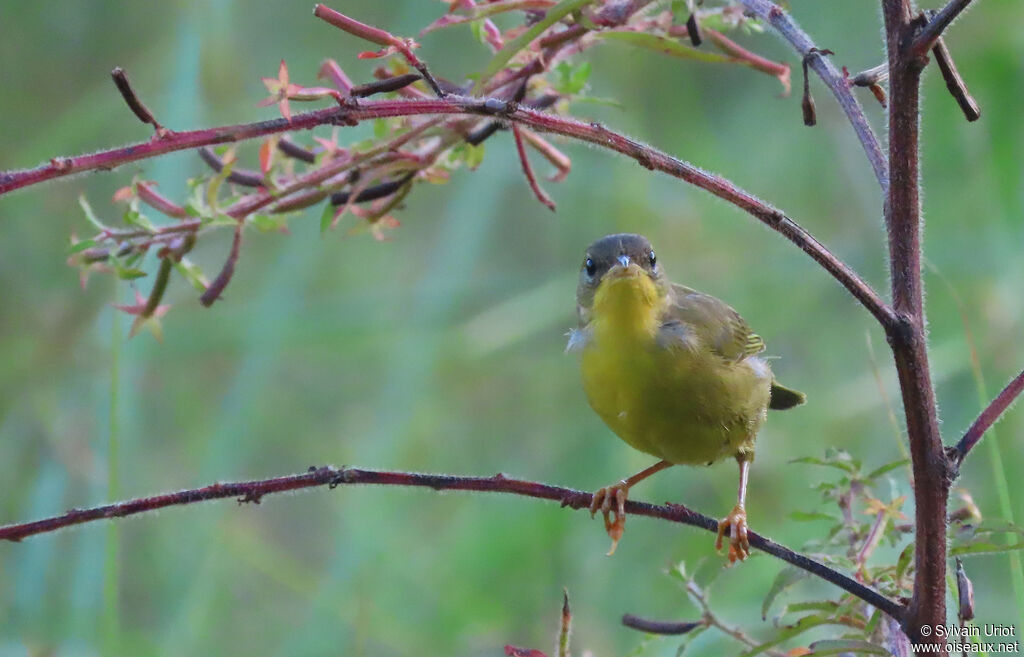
x,y
254,491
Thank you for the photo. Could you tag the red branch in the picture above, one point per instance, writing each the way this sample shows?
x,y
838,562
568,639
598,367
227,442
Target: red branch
x,y
988,417
253,491
593,133
531,179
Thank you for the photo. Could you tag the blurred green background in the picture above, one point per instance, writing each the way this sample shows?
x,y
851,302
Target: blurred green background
x,y
441,350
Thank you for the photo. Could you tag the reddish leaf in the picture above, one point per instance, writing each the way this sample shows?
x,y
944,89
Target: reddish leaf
x,y
267,149
123,194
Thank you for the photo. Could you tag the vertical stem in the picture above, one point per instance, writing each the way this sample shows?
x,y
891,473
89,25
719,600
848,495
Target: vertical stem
x,y
111,570
907,336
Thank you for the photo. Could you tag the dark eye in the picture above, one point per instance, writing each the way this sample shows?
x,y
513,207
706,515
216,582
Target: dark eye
x,y
653,259
591,267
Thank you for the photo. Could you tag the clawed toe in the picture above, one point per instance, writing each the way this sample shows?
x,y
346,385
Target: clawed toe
x,y
611,502
739,541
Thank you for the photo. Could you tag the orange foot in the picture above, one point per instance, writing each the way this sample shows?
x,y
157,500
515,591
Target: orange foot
x,y
736,524
602,500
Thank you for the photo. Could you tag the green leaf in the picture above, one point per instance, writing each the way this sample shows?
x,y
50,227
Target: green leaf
x,y
129,273
982,547
135,218
663,45
999,528
813,605
905,558
836,646
268,224
876,617
80,246
888,467
474,155
503,56
837,462
707,570
326,217
191,272
806,516
87,209
606,102
477,28
786,578
680,11
570,80
380,128
788,632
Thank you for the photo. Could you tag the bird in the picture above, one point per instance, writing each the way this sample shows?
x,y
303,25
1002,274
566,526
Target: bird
x,y
673,372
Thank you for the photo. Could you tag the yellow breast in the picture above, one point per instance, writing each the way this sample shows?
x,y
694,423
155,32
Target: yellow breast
x,y
678,402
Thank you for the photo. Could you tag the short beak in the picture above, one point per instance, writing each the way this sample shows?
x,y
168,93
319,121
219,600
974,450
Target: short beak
x,y
624,268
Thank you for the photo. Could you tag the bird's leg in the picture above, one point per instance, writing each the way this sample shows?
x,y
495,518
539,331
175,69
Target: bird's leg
x,y
616,494
736,521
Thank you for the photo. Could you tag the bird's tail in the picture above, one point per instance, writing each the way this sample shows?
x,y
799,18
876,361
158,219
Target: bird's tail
x,y
783,398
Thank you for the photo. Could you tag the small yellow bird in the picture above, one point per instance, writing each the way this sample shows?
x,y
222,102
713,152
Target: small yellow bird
x,y
671,371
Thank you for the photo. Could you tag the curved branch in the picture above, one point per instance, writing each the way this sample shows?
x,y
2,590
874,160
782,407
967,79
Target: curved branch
x,y
253,491
593,133
988,417
787,27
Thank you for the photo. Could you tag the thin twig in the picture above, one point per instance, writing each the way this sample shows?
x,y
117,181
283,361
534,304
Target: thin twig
x,y
988,417
928,35
216,288
787,27
243,177
660,627
291,149
254,491
954,82
531,179
132,99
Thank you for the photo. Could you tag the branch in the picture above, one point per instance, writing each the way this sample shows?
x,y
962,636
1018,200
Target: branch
x,y
253,491
931,32
660,627
835,81
932,469
593,133
954,82
987,418
531,179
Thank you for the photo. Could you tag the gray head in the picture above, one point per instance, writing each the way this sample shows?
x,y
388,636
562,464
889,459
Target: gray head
x,y
614,251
